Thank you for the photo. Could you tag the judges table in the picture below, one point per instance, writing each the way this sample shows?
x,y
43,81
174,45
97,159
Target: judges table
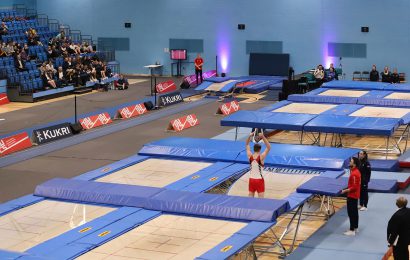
x,y
151,68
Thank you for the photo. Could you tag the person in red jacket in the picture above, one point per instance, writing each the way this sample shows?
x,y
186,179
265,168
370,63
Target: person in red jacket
x,y
199,62
353,195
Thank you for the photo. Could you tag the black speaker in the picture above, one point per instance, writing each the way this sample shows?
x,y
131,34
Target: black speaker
x,y
127,25
148,105
365,29
241,26
76,128
184,85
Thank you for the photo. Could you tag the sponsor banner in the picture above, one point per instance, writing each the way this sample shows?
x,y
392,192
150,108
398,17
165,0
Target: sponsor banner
x,y
228,108
95,121
14,143
191,79
4,99
183,123
170,99
132,111
167,86
52,133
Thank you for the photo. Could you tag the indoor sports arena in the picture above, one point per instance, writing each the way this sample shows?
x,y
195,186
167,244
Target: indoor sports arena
x,y
208,130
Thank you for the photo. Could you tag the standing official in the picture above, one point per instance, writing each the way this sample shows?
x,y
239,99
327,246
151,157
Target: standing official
x,y
398,230
199,62
365,172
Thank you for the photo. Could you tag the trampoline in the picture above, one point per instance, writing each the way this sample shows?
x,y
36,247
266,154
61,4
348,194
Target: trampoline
x,y
382,112
155,172
27,227
168,237
305,108
343,93
398,95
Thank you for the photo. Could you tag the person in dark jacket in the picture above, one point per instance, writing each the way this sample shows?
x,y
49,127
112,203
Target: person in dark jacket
x,y
374,74
365,173
398,230
395,77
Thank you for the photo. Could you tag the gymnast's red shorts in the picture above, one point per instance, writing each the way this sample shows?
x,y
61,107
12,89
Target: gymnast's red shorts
x,y
257,185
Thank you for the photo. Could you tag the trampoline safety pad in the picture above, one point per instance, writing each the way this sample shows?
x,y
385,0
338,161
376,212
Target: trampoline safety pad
x,y
167,237
155,172
32,225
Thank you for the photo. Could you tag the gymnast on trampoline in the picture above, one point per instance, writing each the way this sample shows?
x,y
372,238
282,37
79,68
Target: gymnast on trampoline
x,y
256,160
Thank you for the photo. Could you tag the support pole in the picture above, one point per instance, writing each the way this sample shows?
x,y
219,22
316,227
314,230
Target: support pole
x,y
75,109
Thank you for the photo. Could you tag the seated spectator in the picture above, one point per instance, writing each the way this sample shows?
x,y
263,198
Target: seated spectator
x,y
50,66
4,30
61,77
18,62
48,79
386,76
331,75
60,36
319,73
3,50
395,78
122,83
332,67
9,49
374,74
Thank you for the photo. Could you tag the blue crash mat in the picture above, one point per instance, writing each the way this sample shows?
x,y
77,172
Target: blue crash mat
x,y
353,125
267,120
322,99
299,156
379,185
204,85
192,203
350,84
323,186
385,165
385,102
402,87
218,79
194,148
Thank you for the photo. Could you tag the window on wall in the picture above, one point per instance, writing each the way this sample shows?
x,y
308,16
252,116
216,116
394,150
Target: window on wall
x,y
349,50
273,47
191,45
117,44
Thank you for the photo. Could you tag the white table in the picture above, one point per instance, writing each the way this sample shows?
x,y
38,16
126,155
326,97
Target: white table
x,y
152,67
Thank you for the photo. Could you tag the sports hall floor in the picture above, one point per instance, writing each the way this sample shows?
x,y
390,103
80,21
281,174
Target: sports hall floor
x,y
21,178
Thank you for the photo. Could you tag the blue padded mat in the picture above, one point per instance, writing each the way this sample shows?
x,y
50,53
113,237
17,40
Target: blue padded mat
x,y
214,205
350,84
258,87
323,186
353,125
322,99
385,165
384,102
194,148
306,156
332,174
18,203
398,87
380,185
296,199
219,206
4,254
218,79
343,109
267,120
299,156
204,85
237,241
96,192
376,94
274,106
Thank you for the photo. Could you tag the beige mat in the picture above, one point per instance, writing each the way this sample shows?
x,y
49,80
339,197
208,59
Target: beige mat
x,y
385,112
32,225
305,108
155,172
219,86
343,93
398,95
167,237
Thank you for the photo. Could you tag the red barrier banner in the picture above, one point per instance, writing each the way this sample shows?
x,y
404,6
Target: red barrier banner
x,y
4,99
183,123
228,108
95,121
131,111
191,79
14,143
167,86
